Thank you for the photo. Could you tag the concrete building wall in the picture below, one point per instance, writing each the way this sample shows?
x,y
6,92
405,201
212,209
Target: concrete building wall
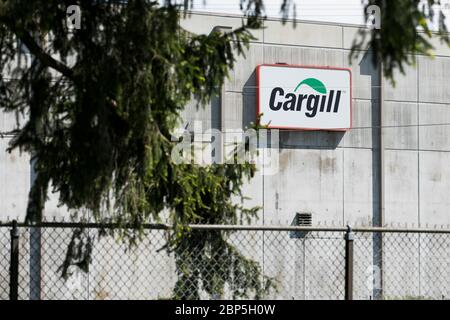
x,y
334,176
14,174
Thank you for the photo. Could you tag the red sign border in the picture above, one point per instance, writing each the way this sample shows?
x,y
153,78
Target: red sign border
x,y
258,112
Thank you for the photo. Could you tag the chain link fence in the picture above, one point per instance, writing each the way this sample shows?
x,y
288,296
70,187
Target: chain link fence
x,y
302,262
4,262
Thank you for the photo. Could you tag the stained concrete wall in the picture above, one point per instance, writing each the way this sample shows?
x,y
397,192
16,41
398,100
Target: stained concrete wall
x,y
334,176
14,174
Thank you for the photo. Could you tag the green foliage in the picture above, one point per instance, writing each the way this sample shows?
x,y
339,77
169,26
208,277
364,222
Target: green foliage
x,y
79,252
101,103
207,262
404,33
101,114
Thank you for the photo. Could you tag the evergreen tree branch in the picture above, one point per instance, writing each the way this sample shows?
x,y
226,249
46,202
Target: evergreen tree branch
x,y
43,57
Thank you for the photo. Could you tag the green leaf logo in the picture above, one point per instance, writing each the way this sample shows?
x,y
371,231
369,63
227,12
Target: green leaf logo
x,y
313,83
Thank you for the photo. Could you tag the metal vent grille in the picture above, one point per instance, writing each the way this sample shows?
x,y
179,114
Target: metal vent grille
x,y
303,219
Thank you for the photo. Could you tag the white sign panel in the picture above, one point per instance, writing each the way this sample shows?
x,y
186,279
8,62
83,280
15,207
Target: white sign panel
x,y
304,98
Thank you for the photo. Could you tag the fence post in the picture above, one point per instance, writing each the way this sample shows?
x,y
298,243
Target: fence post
x,y
349,237
14,263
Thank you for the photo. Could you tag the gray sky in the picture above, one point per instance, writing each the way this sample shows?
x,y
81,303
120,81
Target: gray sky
x,y
340,11
345,11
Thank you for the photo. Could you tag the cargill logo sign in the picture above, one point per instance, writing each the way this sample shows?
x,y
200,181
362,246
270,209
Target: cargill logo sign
x,y
304,98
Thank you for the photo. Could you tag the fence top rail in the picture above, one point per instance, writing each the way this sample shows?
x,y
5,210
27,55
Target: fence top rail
x,y
93,225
